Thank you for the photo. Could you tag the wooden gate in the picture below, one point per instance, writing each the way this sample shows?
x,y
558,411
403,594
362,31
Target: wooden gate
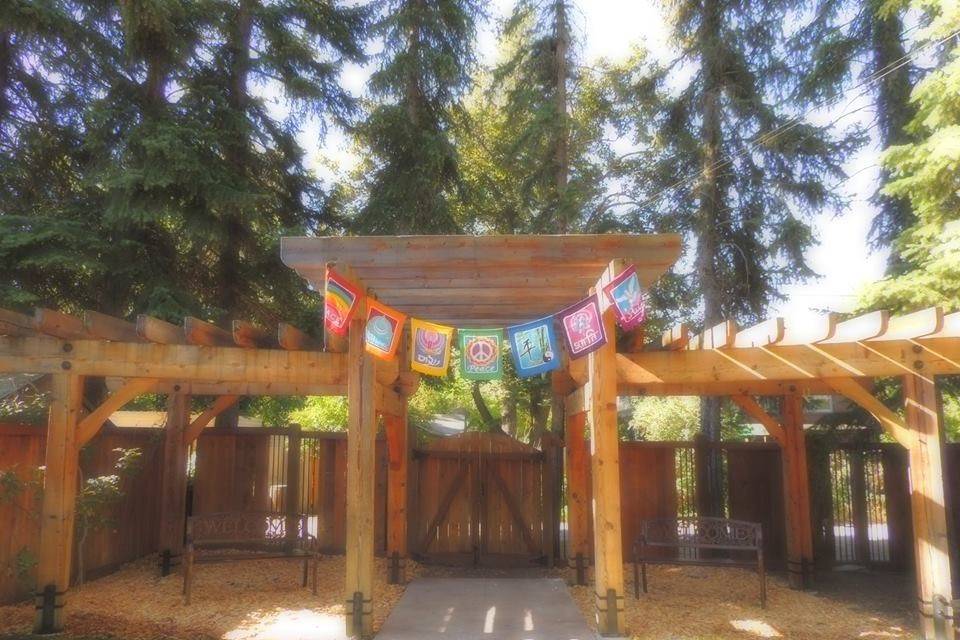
x,y
483,498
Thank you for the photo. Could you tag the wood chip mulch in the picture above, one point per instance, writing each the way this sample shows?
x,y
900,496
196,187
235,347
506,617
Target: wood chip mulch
x,y
250,600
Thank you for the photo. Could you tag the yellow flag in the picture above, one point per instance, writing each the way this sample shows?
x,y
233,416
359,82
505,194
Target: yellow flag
x,y
430,352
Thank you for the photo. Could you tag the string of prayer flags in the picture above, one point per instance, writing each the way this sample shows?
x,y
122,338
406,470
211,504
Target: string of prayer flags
x,y
583,327
384,326
534,347
480,353
340,298
626,296
430,349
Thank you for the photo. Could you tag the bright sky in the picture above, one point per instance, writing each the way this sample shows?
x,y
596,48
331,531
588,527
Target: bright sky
x,y
608,29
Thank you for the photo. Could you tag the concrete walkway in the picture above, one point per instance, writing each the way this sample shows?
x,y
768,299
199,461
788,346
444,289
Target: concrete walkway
x,y
486,609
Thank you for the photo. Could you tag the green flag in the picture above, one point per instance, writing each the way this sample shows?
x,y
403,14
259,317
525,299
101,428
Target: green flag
x,y
480,352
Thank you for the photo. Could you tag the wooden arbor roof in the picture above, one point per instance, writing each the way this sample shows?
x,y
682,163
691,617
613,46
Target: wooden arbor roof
x,y
479,280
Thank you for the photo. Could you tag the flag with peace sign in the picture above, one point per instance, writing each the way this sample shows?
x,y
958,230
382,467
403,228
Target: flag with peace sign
x,y
480,351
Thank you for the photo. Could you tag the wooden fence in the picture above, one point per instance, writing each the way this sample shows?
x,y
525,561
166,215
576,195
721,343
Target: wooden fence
x,y
134,521
860,501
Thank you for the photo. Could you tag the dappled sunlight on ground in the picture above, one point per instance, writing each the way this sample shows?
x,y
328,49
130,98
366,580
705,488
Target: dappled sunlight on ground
x,y
686,603
249,600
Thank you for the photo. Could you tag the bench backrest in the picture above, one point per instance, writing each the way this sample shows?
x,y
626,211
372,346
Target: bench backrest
x,y
702,533
261,528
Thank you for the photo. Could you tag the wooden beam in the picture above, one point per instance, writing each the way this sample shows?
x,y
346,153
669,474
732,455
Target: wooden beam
x,y
16,324
753,409
601,389
250,336
240,388
292,339
207,334
91,424
59,502
676,337
173,481
796,494
869,325
100,325
180,363
361,478
786,362
912,325
719,336
798,331
578,492
752,388
765,333
893,424
59,325
156,330
928,507
196,427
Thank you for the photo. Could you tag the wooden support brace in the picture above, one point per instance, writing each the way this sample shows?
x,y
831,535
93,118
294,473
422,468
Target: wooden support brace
x,y
890,421
91,424
753,409
221,404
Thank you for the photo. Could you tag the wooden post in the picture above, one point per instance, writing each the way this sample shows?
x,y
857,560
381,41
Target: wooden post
x,y
601,391
931,546
361,478
59,502
578,493
398,471
173,483
551,490
796,494
291,500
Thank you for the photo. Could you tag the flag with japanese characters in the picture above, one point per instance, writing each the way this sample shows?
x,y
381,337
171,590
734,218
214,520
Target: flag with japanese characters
x,y
533,346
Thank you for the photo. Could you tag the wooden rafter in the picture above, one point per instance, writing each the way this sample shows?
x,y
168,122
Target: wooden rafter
x,y
676,337
159,331
104,327
204,333
293,339
250,336
88,427
59,325
199,423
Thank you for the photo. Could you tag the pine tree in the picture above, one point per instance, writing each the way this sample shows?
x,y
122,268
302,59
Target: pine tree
x,y
866,53
720,159
413,167
926,173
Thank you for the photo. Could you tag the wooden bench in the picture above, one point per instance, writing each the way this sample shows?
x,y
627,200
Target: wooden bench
x,y
690,537
247,536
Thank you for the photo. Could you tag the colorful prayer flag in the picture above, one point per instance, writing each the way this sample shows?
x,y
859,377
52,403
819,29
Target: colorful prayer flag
x,y
480,351
430,352
583,327
384,326
626,296
534,347
340,298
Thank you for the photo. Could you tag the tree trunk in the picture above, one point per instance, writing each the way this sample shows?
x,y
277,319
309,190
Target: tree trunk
x,y
708,242
539,415
6,63
489,421
561,148
894,112
508,422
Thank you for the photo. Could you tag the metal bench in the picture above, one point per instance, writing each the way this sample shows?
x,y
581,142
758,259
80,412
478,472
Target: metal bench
x,y
690,537
262,535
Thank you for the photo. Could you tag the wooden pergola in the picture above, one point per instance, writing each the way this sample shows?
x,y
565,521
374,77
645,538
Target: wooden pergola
x,y
487,281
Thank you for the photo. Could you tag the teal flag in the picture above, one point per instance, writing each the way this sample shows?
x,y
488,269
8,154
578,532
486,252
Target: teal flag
x,y
480,353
